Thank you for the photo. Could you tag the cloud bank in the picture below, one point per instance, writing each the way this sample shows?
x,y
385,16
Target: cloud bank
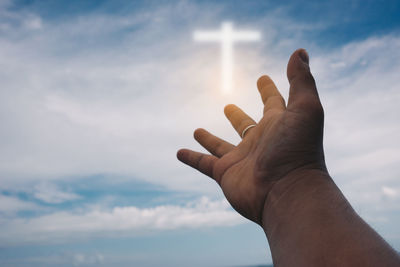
x,y
128,221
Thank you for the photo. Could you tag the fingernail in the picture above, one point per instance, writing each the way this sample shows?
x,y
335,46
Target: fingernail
x,y
303,56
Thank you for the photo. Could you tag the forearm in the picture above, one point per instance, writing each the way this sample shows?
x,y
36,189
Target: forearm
x,y
309,222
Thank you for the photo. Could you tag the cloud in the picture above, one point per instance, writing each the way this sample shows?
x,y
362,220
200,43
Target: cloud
x,y
11,205
64,258
84,259
360,100
128,220
120,109
389,191
49,193
119,94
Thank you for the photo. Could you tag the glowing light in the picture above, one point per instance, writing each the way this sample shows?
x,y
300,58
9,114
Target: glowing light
x,y
227,37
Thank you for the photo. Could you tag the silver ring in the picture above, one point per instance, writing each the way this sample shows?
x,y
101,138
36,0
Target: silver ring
x,y
246,129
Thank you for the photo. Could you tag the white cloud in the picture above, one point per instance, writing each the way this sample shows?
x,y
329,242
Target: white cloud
x,y
389,191
120,109
11,205
130,220
60,259
84,259
51,194
361,103
123,108
33,23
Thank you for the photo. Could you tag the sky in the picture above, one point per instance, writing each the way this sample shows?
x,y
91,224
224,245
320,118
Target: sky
x,y
96,97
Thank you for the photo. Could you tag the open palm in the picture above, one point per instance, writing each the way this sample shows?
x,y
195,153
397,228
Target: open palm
x,y
286,140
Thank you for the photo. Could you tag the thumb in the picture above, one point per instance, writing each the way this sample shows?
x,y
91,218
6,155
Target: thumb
x,y
303,94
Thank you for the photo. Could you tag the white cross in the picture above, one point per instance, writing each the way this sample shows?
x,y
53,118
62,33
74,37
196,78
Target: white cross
x,y
227,37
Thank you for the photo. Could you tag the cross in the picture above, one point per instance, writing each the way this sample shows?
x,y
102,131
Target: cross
x,y
227,37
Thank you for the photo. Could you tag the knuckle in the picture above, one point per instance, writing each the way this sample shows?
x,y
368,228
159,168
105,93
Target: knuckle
x,y
218,148
309,78
275,99
314,106
274,102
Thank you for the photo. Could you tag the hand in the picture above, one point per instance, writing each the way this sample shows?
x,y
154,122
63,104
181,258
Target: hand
x,y
286,141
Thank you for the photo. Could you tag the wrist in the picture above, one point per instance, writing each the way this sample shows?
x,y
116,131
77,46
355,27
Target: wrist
x,y
301,212
295,193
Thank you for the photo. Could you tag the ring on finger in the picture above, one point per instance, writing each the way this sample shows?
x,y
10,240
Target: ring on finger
x,y
246,129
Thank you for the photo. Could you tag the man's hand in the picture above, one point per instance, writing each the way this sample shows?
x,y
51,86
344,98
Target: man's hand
x,y
288,139
277,178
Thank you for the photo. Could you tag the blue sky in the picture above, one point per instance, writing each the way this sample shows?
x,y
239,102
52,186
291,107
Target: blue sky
x,y
97,96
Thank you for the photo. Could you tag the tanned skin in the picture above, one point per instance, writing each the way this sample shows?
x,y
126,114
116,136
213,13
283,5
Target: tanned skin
x,y
277,177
